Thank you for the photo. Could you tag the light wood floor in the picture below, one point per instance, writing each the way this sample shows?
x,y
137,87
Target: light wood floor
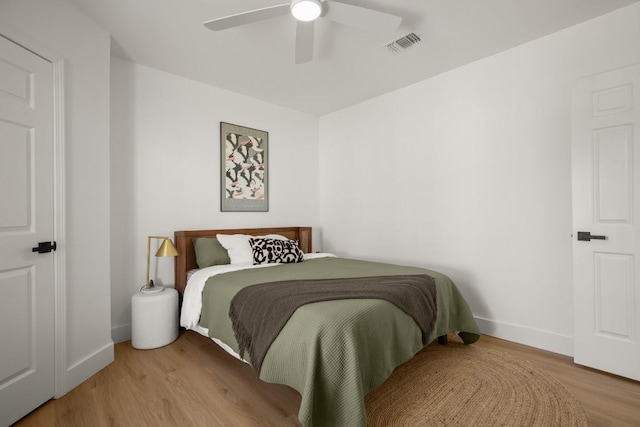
x,y
192,382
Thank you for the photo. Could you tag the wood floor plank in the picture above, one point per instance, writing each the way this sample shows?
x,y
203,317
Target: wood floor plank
x,y
193,382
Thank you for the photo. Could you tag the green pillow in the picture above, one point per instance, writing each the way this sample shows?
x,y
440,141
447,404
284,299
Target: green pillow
x,y
210,252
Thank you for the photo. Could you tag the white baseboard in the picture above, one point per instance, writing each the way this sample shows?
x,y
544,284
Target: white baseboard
x,y
544,340
121,333
89,366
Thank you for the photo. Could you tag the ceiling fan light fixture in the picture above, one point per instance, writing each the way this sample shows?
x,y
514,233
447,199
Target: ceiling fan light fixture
x,y
306,10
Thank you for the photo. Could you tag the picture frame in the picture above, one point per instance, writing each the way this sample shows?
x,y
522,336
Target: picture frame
x,y
244,177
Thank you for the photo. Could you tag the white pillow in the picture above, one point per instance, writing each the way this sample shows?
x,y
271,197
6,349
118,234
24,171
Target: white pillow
x,y
238,247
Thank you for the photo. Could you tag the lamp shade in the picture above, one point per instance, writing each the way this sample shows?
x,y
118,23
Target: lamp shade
x,y
167,249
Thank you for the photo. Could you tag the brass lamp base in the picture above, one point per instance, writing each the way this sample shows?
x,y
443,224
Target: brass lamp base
x,y
152,290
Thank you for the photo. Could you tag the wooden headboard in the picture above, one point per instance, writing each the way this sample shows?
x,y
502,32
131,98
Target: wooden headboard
x,y
186,259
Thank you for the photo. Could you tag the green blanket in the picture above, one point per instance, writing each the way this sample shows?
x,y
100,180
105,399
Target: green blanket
x,y
335,352
259,312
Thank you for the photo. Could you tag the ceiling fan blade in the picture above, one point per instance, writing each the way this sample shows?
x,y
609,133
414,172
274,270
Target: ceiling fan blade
x,y
248,17
360,17
304,42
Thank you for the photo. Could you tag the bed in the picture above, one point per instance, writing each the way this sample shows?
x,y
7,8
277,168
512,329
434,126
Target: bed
x,y
333,351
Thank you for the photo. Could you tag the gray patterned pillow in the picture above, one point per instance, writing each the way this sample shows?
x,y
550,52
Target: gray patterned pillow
x,y
269,251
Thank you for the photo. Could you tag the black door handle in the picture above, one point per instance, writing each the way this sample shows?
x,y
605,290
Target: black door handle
x,y
587,237
45,247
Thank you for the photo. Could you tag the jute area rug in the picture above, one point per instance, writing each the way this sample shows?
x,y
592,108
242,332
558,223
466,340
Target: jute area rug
x,y
458,385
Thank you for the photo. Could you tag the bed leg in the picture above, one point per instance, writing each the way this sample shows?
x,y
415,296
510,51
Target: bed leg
x,y
442,340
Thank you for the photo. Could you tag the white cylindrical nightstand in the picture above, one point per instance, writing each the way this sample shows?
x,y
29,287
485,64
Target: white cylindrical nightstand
x,y
154,318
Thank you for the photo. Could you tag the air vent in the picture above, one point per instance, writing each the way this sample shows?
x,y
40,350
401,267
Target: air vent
x,y
403,42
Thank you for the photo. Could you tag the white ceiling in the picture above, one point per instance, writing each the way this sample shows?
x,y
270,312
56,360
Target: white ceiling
x,y
349,66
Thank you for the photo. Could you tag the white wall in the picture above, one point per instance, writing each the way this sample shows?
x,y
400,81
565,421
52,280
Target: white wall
x,y
469,173
165,151
60,27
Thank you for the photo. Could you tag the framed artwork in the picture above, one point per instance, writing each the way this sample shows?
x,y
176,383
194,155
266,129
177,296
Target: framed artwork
x,y
244,169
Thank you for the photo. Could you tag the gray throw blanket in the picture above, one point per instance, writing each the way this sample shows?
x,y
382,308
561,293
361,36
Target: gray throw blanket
x,y
259,312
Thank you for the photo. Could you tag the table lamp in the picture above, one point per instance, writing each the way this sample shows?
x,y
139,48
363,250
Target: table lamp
x,y
167,248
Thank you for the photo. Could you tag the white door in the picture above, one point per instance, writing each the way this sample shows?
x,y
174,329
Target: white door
x,y
606,203
26,218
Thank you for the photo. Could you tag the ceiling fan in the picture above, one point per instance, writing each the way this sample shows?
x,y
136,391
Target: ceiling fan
x,y
306,12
